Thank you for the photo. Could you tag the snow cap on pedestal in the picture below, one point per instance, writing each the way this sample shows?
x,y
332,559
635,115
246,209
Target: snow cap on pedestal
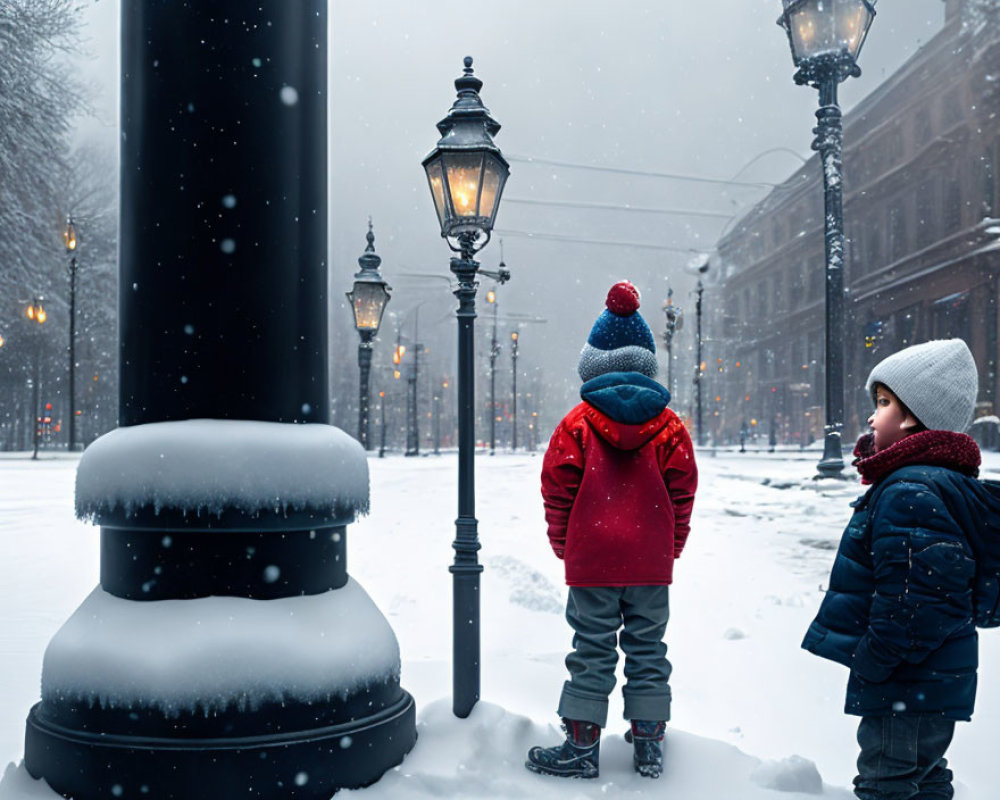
x,y
620,340
936,380
200,467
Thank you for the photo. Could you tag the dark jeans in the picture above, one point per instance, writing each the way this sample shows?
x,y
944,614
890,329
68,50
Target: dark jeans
x,y
902,758
596,614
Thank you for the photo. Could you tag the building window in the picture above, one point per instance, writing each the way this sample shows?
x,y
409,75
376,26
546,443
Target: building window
x,y
873,248
817,278
953,206
926,216
895,145
795,289
897,230
922,130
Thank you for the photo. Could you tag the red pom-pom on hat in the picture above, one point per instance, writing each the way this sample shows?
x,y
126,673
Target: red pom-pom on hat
x,y
623,299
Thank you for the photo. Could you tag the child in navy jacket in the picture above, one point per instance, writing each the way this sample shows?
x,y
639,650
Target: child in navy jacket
x,y
618,483
906,589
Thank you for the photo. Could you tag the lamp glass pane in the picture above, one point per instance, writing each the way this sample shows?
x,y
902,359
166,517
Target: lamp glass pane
x,y
435,177
369,302
494,176
813,29
853,19
464,171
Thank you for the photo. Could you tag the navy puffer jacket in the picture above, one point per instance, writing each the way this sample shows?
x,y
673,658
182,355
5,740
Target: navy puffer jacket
x,y
899,609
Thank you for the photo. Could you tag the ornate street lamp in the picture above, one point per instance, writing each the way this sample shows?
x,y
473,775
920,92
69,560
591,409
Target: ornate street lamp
x,y
466,173
826,37
70,240
36,313
675,321
368,299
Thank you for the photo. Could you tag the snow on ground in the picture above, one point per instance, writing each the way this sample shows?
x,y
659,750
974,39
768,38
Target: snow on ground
x,y
753,717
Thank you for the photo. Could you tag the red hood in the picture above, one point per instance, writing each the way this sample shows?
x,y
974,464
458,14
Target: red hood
x,y
622,436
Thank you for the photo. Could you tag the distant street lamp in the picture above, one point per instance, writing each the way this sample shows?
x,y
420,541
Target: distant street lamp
x,y
69,238
36,313
368,299
513,390
491,298
675,321
700,266
826,37
466,173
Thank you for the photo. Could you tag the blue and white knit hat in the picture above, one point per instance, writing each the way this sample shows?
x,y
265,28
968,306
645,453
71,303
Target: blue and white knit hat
x,y
620,340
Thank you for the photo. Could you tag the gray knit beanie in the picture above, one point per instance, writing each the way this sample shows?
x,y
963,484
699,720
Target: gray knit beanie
x,y
936,380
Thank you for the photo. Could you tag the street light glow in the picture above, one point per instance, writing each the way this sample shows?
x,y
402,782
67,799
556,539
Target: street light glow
x,y
69,235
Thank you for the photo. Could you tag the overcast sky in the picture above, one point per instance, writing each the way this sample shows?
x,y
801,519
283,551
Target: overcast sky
x,y
699,88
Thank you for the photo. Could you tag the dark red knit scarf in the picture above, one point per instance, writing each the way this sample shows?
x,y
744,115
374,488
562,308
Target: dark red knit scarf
x,y
934,448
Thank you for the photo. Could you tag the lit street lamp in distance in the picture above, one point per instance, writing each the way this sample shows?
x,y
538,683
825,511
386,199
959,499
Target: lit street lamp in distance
x,y
368,300
37,314
71,241
466,173
826,37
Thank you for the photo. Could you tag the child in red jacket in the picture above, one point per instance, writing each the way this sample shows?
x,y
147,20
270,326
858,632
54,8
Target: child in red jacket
x,y
618,483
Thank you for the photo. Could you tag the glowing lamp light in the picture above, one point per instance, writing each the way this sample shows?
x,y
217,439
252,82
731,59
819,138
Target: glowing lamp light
x,y
69,235
36,313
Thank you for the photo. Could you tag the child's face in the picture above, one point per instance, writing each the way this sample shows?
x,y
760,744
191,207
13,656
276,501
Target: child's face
x,y
891,421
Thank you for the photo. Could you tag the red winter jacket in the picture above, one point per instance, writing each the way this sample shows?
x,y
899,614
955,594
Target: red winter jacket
x,y
618,497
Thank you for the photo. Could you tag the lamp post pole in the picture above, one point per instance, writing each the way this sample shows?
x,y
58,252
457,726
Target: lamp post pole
x,y
826,39
698,372
829,144
513,390
69,236
365,367
381,445
494,353
412,379
466,173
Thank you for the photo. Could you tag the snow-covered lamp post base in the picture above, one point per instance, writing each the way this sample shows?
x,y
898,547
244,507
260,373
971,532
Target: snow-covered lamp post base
x,y
230,655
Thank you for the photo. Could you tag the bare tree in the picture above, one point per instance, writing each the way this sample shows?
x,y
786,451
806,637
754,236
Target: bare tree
x,y
38,97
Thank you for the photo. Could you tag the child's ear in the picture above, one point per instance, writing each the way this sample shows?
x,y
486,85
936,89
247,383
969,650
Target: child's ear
x,y
909,421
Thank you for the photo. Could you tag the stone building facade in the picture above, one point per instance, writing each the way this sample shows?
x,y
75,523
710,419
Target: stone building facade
x,y
921,201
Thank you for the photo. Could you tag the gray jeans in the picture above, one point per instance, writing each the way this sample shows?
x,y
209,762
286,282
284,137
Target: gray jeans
x,y
596,615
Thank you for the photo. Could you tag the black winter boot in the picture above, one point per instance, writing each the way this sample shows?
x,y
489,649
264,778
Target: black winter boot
x,y
646,736
577,757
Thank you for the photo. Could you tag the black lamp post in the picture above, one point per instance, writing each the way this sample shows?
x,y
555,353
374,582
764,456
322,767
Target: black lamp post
x,y
826,37
675,321
37,314
69,237
513,391
699,266
491,298
368,299
466,173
